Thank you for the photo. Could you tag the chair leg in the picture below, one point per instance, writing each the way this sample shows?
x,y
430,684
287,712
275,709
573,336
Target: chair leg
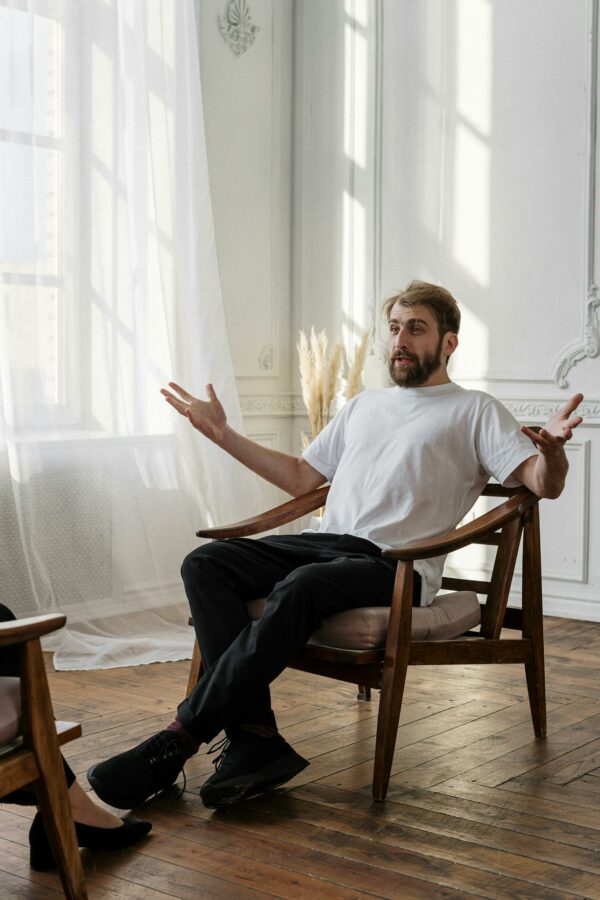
x,y
397,652
51,788
195,667
534,673
364,693
56,813
533,623
390,704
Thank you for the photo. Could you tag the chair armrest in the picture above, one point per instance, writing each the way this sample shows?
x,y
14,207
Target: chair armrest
x,y
272,518
480,527
17,631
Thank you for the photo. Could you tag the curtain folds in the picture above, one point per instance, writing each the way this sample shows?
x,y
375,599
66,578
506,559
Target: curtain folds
x,y
109,288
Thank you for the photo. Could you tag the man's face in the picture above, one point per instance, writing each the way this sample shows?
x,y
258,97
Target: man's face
x,y
416,348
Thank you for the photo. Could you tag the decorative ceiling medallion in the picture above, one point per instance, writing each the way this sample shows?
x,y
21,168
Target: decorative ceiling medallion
x,y
237,28
591,339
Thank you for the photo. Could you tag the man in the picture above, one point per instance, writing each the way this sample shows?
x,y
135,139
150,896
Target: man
x,y
405,463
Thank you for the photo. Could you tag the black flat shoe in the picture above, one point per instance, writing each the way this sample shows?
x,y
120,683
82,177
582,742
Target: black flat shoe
x,y
41,858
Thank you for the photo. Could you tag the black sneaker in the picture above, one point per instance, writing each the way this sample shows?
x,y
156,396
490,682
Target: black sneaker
x,y
248,766
129,778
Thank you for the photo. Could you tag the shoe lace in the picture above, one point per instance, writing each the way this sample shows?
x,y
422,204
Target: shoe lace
x,y
222,745
159,750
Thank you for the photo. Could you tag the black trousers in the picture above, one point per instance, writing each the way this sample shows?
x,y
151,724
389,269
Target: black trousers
x,y
9,665
305,578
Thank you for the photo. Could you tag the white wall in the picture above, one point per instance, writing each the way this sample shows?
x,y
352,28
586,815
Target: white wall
x,y
247,108
452,140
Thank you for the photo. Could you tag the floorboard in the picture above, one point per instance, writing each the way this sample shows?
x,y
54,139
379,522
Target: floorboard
x,y
477,806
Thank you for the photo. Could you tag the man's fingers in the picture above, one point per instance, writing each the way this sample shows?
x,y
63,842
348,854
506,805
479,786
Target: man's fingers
x,y
571,405
175,403
181,391
543,439
551,439
532,435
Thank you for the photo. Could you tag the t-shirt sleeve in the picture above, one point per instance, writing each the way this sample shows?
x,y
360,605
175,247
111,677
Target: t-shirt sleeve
x,y
325,451
501,446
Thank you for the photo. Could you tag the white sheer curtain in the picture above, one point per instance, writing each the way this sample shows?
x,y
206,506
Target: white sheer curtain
x,y
109,288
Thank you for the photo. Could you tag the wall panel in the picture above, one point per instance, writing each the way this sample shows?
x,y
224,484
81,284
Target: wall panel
x,y
481,175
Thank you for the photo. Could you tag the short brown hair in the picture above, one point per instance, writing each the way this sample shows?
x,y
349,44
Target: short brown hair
x,y
438,299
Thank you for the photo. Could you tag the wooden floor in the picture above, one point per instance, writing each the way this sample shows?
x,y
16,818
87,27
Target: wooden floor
x,y
477,806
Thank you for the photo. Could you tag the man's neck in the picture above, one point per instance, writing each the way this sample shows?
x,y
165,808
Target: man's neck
x,y
437,378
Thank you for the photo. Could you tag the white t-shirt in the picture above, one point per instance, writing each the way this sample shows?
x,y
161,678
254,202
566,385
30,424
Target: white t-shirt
x,y
406,464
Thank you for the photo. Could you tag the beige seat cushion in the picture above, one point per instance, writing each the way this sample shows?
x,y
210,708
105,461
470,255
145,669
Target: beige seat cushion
x,y
449,616
10,709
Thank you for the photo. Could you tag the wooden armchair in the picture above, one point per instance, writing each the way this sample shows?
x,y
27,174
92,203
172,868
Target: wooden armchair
x,y
384,666
29,751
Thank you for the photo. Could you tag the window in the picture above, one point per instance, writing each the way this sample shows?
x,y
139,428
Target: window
x,y
35,316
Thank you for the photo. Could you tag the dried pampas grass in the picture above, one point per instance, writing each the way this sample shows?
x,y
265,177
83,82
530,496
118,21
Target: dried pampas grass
x,y
319,375
355,369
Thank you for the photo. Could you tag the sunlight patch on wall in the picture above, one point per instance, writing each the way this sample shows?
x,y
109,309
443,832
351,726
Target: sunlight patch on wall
x,y
474,54
353,267
472,153
471,231
355,96
358,10
472,355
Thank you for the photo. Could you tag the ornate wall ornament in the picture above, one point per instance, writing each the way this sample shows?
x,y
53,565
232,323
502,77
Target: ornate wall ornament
x,y
265,359
535,411
591,339
237,28
272,405
540,410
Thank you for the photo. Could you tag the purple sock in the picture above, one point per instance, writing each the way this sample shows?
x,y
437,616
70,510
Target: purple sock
x,y
190,744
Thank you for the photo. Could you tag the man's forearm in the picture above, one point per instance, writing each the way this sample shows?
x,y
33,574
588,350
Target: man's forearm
x,y
550,472
290,473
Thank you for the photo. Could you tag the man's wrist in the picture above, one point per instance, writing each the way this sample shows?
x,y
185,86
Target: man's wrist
x,y
225,437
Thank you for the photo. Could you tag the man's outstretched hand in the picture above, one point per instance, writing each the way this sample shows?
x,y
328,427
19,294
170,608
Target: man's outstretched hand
x,y
208,416
558,429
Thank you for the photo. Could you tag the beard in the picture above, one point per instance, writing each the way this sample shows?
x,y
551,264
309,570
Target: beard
x,y
419,370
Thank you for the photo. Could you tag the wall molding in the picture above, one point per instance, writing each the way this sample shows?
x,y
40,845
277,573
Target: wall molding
x,y
525,410
269,405
589,345
578,572
279,231
302,135
263,362
565,606
539,410
499,377
591,340
265,438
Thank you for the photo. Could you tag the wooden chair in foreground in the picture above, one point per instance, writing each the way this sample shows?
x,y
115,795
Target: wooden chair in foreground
x,y
29,748
408,636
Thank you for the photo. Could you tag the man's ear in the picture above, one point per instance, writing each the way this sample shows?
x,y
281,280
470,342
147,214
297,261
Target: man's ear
x,y
450,344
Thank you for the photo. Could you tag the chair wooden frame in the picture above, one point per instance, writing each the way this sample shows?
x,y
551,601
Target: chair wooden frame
x,y
35,761
504,526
